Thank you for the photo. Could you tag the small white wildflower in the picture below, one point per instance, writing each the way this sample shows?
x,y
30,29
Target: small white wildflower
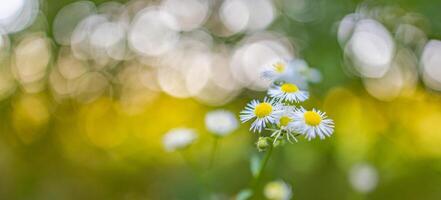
x,y
178,138
288,92
285,117
313,123
363,177
287,71
276,70
221,122
277,190
264,112
285,124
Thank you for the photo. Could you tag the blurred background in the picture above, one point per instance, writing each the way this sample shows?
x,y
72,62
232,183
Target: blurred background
x,y
88,89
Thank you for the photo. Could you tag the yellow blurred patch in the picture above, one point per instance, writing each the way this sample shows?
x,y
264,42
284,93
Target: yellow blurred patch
x,y
30,116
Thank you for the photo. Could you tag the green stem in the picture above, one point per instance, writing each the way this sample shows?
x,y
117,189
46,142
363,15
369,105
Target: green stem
x,y
195,171
187,161
213,151
263,163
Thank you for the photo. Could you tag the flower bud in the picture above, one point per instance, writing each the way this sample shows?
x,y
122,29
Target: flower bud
x,y
263,143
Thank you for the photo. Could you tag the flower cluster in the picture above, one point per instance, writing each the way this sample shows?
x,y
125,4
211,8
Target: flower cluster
x,y
280,111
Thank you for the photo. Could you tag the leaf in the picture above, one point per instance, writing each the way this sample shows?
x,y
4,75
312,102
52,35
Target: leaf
x,y
244,194
255,164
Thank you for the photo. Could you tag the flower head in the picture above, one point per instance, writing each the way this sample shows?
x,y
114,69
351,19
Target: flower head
x,y
178,138
220,122
263,112
313,123
288,92
277,190
285,124
276,69
294,71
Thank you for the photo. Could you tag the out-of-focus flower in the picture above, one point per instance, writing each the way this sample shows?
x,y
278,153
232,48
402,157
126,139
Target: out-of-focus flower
x,y
430,62
264,112
189,14
246,15
17,15
277,70
153,32
363,177
313,123
288,92
178,138
296,71
220,122
277,190
371,48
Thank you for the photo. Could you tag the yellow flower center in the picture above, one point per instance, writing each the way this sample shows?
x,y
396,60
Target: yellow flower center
x,y
279,67
284,121
312,118
289,88
263,110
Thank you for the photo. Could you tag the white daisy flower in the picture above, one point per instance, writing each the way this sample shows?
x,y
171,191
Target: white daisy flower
x,y
276,70
277,190
286,116
285,123
178,138
220,122
287,71
312,123
264,112
288,92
